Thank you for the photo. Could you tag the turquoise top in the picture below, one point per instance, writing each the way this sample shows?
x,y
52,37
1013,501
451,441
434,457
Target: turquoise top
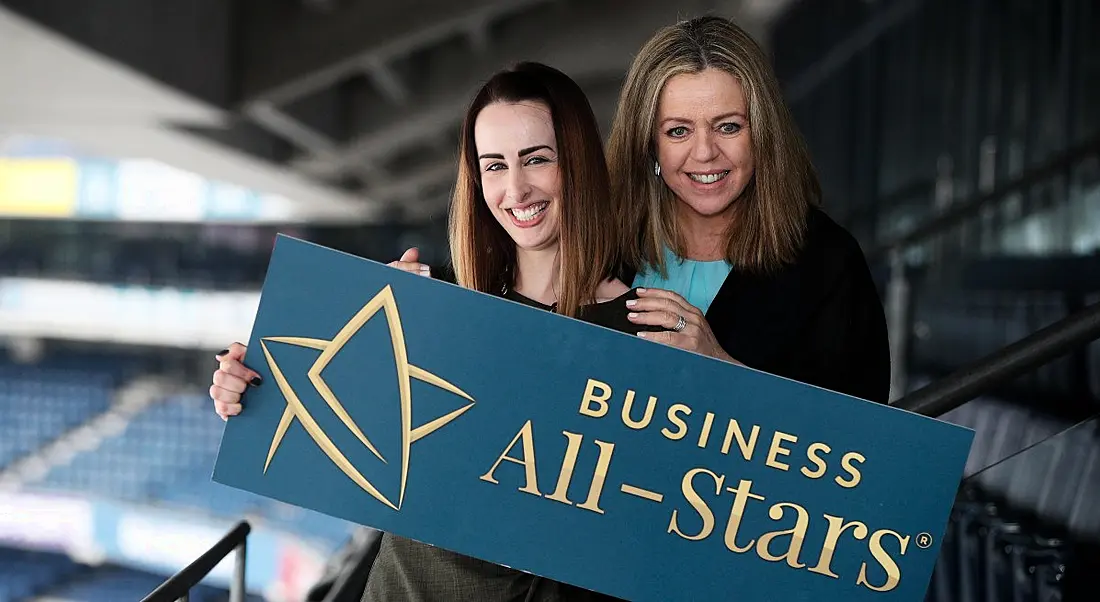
x,y
696,281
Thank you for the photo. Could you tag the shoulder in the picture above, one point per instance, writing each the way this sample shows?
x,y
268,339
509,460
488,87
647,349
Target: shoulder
x,y
829,262
830,243
830,256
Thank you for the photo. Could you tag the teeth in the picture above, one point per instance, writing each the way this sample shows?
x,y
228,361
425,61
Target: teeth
x,y
526,214
708,178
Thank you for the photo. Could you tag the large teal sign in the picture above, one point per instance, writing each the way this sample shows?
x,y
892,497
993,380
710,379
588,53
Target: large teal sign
x,y
575,452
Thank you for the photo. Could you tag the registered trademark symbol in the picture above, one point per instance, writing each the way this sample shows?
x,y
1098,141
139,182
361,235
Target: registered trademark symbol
x,y
924,541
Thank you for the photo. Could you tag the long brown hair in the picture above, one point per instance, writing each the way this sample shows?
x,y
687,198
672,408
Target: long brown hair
x,y
482,254
769,219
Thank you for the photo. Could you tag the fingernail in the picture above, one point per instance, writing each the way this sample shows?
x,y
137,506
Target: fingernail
x,y
643,334
222,352
256,381
632,315
631,302
641,290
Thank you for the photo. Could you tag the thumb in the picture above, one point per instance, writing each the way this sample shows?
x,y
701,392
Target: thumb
x,y
411,256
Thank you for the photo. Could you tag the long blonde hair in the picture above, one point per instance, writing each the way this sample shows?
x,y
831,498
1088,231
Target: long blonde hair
x,y
482,254
769,219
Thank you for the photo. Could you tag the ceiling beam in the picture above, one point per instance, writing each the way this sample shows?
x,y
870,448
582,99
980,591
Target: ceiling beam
x,y
414,185
591,43
387,81
269,116
478,33
287,56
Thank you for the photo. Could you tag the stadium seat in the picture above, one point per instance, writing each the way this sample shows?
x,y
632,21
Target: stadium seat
x,y
24,574
164,457
38,404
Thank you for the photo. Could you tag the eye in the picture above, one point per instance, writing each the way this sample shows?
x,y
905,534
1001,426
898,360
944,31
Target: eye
x,y
536,160
678,132
495,166
729,128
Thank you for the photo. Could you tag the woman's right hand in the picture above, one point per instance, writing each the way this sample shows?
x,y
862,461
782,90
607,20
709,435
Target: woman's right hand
x,y
410,262
231,379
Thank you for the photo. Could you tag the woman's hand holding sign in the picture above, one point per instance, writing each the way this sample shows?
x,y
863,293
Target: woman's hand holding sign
x,y
231,380
410,262
686,326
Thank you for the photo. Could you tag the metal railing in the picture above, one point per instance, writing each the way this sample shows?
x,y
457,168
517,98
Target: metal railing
x,y
178,587
1030,352
892,253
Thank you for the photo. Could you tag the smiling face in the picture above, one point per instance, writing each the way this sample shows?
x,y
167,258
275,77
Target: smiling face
x,y
520,175
703,142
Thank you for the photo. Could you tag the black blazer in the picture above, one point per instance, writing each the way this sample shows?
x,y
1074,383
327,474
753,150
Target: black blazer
x,y
819,320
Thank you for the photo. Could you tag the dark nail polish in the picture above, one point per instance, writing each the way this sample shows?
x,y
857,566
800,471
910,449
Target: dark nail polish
x,y
256,381
222,352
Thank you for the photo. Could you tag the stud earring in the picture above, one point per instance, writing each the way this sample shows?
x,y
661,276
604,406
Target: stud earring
x,y
657,168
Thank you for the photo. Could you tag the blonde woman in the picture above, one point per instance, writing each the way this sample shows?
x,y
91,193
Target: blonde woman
x,y
720,201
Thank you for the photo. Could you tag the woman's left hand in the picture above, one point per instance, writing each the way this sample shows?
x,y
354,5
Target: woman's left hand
x,y
659,307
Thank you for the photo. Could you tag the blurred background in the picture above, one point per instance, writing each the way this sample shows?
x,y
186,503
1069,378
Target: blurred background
x,y
150,152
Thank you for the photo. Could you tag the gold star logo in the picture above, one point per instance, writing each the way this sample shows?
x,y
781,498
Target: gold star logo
x,y
384,301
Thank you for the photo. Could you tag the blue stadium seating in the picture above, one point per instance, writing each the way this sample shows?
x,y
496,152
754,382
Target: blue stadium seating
x,y
165,456
24,574
39,404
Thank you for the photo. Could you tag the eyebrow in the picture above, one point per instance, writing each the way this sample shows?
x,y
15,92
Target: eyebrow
x,y
523,152
717,118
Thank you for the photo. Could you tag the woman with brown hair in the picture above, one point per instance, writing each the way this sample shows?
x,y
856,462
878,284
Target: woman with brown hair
x,y
533,224
529,221
719,204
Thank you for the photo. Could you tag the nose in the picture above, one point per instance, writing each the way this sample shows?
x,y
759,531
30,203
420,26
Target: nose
x,y
518,187
704,148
